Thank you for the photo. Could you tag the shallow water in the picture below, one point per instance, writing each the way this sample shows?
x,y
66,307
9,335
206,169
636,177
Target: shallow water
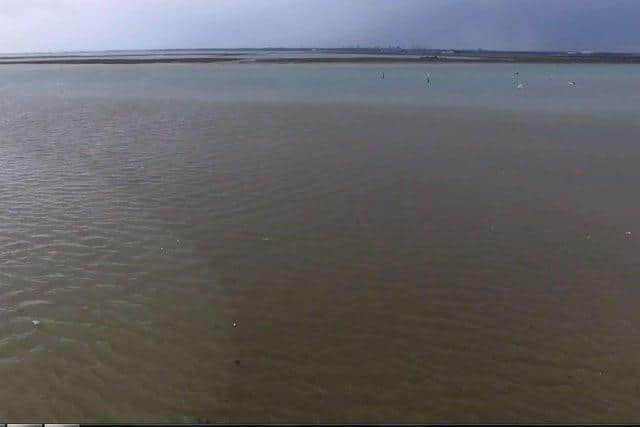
x,y
381,261
600,88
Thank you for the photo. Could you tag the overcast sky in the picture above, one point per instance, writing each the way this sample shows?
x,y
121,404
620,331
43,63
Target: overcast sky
x,y
67,25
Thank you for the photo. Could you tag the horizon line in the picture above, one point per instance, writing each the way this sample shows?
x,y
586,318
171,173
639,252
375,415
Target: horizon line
x,y
267,48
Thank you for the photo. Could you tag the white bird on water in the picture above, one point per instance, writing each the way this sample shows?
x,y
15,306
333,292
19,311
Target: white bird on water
x,y
572,83
519,84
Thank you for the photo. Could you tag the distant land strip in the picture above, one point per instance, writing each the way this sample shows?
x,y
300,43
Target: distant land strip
x,y
452,59
112,60
305,56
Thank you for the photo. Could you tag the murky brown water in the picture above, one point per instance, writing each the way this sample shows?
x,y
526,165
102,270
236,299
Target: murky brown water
x,y
381,264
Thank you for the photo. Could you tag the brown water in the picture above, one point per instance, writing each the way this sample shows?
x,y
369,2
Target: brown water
x,y
380,263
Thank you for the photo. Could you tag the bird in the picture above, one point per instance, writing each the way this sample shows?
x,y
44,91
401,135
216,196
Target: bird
x,y
572,83
35,322
516,77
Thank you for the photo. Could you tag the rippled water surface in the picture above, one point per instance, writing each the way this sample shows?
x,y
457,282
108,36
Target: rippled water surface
x,y
287,257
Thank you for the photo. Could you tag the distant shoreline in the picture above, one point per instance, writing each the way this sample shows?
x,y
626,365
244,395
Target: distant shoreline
x,y
83,61
319,56
431,60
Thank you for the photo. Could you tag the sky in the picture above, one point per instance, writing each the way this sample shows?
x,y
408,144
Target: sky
x,y
76,25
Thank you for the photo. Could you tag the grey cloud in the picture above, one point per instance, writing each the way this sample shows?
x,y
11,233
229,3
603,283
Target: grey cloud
x,y
41,25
